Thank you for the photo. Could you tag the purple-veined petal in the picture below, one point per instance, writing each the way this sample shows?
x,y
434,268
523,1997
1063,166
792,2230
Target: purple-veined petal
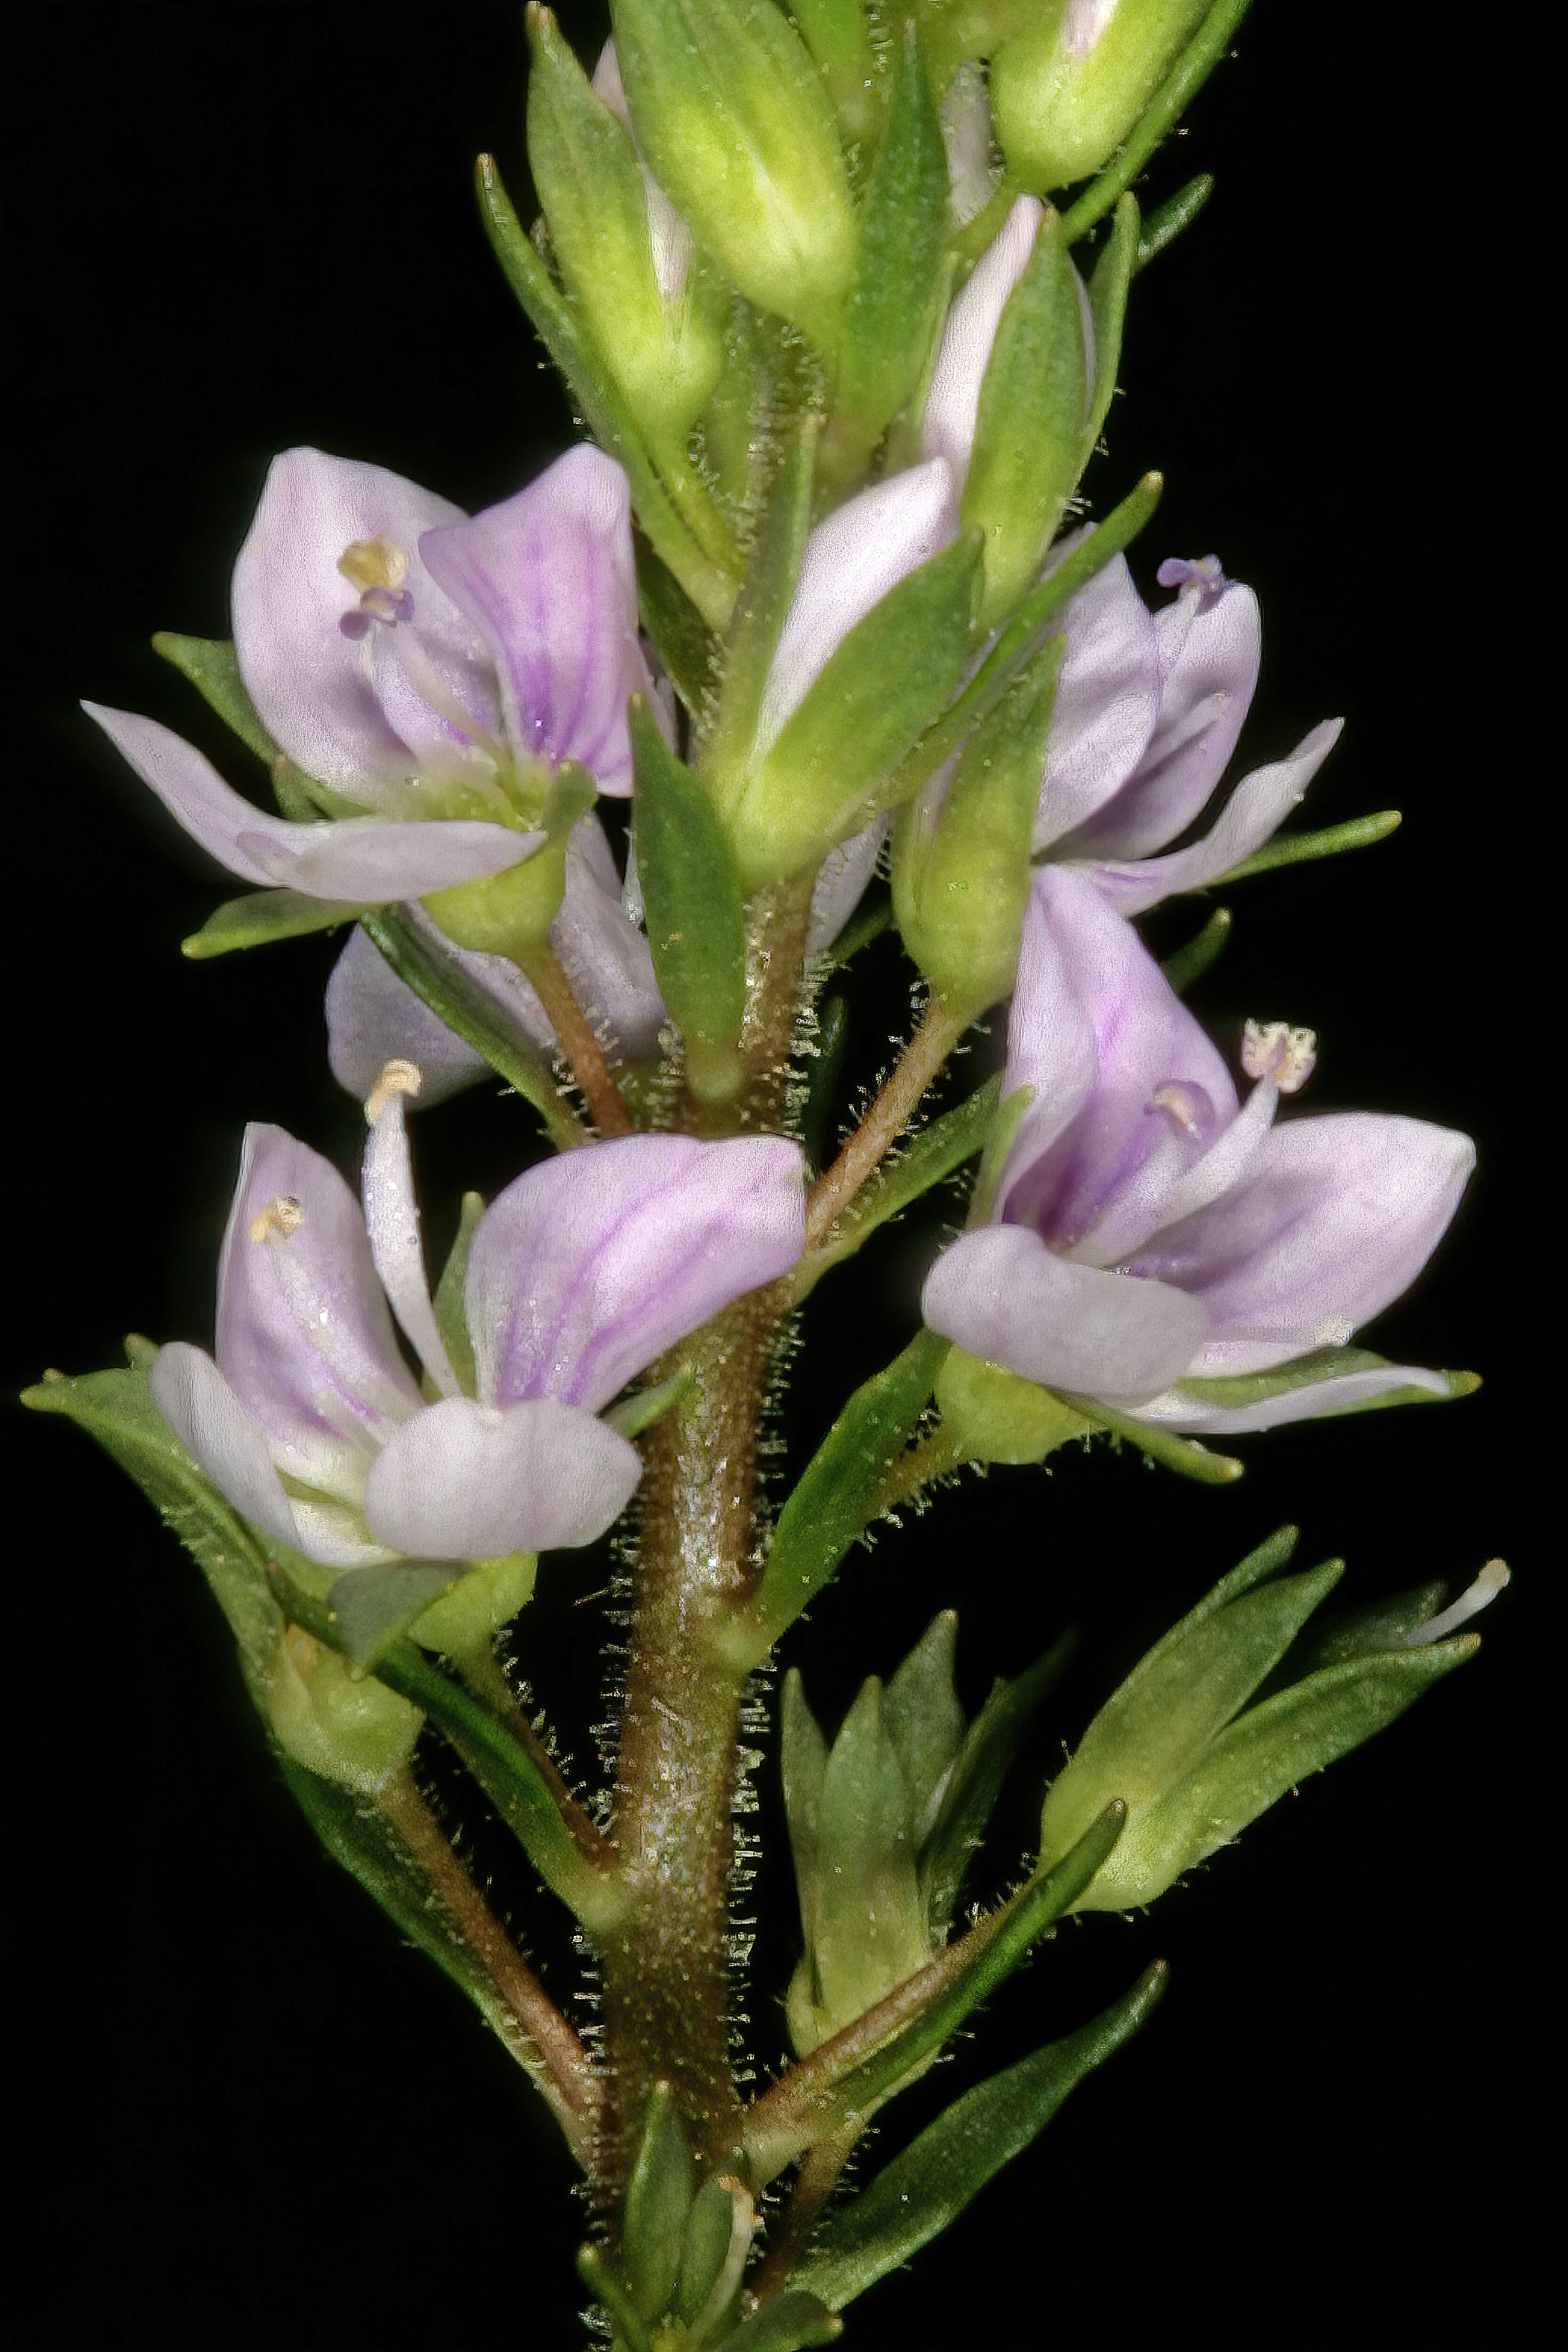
x,y
548,579
1255,810
304,1332
1335,1217
1002,1295
1094,1183
310,682
852,559
363,861
1107,703
372,1019
467,1481
605,956
953,404
590,1265
1178,1409
222,1437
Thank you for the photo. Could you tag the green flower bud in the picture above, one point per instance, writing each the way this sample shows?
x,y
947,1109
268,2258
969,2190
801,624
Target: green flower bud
x,y
738,129
1067,92
336,1721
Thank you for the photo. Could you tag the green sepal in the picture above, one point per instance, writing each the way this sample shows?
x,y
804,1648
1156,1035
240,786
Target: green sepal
x,y
790,2322
1107,286
900,270
739,132
666,356
659,2202
463,1620
709,2245
966,1797
449,1298
604,2281
260,916
690,543
117,1410
1030,425
1167,220
923,1720
1248,1388
998,1415
761,606
1393,1622
643,1407
510,913
1182,1454
839,39
850,2076
830,770
1187,966
213,668
1169,101
961,884
685,644
692,903
838,1497
1302,849
934,1153
916,2195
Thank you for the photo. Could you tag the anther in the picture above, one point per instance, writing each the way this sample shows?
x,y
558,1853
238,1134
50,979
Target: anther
x,y
367,563
398,1077
1272,1049
282,1215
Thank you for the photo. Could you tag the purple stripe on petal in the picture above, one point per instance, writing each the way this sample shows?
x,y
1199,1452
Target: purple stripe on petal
x,y
465,1480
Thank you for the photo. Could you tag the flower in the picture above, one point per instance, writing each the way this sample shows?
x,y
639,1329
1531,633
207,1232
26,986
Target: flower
x,y
1149,1231
580,1273
413,665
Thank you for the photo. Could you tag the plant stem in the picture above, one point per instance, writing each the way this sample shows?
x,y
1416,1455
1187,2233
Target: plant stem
x,y
927,1050
551,2053
481,1674
580,1046
814,2184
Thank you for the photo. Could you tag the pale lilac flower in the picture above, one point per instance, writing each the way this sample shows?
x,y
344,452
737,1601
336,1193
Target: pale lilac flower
x,y
1149,1229
1148,710
418,666
581,1272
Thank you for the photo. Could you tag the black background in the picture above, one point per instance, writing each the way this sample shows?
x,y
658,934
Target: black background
x,y
253,2118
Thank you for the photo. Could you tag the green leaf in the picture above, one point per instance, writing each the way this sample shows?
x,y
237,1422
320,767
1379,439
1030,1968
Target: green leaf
x,y
900,272
763,600
837,1496
658,2201
1186,77
792,2321
1030,425
922,1717
682,639
824,1064
803,1766
861,1904
1182,1454
213,668
1249,1389
717,2233
1300,848
915,2197
967,1797
118,1410
830,770
695,916
1165,224
1108,307
260,916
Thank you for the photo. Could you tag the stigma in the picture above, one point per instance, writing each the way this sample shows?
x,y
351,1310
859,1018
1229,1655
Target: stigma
x,y
398,1077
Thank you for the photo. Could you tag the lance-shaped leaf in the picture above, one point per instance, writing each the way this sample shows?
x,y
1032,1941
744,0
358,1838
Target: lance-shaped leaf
x,y
263,916
1107,308
213,668
896,287
1030,428
792,2321
658,2205
915,2197
691,900
936,1151
964,1797
1164,110
830,768
838,1495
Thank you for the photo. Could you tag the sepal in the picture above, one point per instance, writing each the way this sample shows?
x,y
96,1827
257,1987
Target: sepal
x,y
1064,103
692,903
211,666
260,916
995,1416
511,913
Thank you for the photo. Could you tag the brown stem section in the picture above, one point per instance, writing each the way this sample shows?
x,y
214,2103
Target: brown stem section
x,y
580,1047
886,1120
482,1675
666,1969
554,2058
814,2184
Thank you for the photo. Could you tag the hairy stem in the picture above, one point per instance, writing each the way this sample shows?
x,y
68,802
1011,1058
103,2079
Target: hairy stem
x,y
814,2184
550,2051
580,1047
481,1674
927,1050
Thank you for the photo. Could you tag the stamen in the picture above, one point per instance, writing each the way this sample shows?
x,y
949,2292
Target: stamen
x,y
1471,1602
1187,1108
282,1215
1272,1049
396,1078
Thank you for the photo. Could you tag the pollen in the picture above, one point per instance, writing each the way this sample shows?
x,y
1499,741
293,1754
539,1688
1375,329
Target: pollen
x,y
1272,1049
367,563
282,1215
396,1078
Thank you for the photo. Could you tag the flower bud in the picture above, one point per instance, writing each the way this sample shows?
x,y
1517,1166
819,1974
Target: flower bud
x,y
999,1416
738,129
338,1722
1067,92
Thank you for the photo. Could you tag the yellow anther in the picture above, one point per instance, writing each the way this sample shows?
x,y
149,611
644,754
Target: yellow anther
x,y
367,563
282,1216
396,1078
1272,1049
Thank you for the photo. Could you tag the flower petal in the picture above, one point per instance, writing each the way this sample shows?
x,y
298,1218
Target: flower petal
x,y
1002,1295
953,404
589,1266
548,579
1108,700
1255,810
1335,1218
309,681
363,861
1179,1409
465,1480
303,1333
372,1019
852,559
222,1437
